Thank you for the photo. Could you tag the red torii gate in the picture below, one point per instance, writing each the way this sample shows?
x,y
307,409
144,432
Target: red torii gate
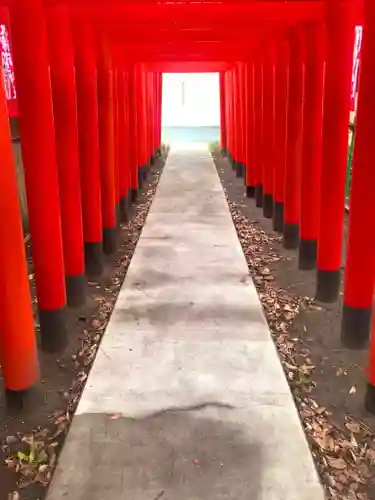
x,y
102,67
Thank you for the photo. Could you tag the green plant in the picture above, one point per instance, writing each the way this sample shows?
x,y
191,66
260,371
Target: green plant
x,y
214,146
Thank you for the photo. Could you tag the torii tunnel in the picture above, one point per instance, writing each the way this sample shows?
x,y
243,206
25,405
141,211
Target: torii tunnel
x,y
88,76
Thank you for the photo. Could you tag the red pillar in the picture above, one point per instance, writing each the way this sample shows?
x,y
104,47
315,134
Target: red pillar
x,y
236,127
116,139
250,131
160,107
156,114
234,157
258,146
148,119
223,132
360,263
232,115
150,114
40,165
281,130
124,159
17,336
240,164
236,122
228,95
268,129
61,58
156,111
228,92
142,129
141,142
88,141
339,58
292,200
106,148
312,144
133,136
146,122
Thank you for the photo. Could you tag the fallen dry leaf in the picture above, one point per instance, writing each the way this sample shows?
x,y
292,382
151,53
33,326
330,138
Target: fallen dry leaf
x,y
116,416
337,463
353,427
14,495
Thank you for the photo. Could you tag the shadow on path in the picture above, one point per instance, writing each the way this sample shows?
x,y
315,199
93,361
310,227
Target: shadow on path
x,y
171,455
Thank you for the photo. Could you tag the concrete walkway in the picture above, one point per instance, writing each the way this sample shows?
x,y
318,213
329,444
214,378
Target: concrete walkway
x,y
187,399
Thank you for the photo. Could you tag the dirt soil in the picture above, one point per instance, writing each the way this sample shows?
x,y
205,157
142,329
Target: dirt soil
x,y
30,440
328,381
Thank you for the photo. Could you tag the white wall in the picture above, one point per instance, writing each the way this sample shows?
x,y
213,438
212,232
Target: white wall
x,y
191,99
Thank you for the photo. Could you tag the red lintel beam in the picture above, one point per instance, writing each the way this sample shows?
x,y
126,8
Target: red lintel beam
x,y
188,67
165,26
195,57
143,35
209,51
183,47
154,3
190,58
224,52
254,11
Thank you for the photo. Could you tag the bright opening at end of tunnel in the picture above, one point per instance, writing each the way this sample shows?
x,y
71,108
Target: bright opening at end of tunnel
x,y
191,110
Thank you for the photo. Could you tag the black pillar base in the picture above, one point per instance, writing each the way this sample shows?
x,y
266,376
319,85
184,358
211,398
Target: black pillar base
x,y
267,206
144,171
110,235
240,169
370,399
75,290
259,196
15,399
118,214
291,236
134,195
124,209
250,191
94,259
355,327
140,178
328,286
152,160
308,250
53,329
278,217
